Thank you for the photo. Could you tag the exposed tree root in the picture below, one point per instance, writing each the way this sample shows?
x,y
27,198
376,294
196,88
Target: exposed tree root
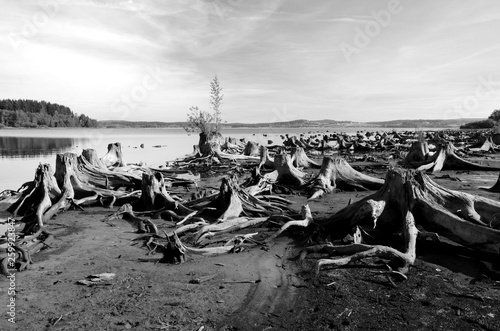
x,y
142,225
404,258
235,201
494,188
26,246
231,225
308,219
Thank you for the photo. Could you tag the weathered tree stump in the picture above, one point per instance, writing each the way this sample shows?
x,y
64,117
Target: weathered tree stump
x,y
251,149
301,160
408,199
154,196
114,156
37,198
337,173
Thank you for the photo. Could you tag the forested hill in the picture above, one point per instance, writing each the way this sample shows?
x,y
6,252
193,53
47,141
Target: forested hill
x,y
32,114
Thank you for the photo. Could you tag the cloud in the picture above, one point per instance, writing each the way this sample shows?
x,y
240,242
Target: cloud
x,y
270,56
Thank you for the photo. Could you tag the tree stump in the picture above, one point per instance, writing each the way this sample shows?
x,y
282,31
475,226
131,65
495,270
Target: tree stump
x,y
337,173
114,156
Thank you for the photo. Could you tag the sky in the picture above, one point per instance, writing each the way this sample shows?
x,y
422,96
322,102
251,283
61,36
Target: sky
x,y
277,60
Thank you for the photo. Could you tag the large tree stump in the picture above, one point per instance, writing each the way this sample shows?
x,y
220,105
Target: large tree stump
x,y
86,188
91,170
406,200
208,142
286,172
37,198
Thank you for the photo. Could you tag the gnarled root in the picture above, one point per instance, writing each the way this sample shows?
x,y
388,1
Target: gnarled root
x,y
233,201
23,250
308,219
404,259
142,225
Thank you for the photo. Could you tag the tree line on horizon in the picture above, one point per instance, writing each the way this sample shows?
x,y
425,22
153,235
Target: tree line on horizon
x,y
32,114
492,121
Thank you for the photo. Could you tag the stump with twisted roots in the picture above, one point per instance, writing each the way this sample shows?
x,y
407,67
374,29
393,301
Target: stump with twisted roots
x,y
71,175
92,170
51,193
154,197
234,201
406,200
284,174
114,156
444,158
301,160
337,173
208,142
38,198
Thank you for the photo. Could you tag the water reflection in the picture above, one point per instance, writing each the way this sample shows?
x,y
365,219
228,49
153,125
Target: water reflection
x,y
25,147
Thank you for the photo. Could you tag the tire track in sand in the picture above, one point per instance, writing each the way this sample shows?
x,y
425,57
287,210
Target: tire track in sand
x,y
272,297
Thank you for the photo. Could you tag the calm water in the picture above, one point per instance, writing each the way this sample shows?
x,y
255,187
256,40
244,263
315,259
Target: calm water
x,y
21,150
